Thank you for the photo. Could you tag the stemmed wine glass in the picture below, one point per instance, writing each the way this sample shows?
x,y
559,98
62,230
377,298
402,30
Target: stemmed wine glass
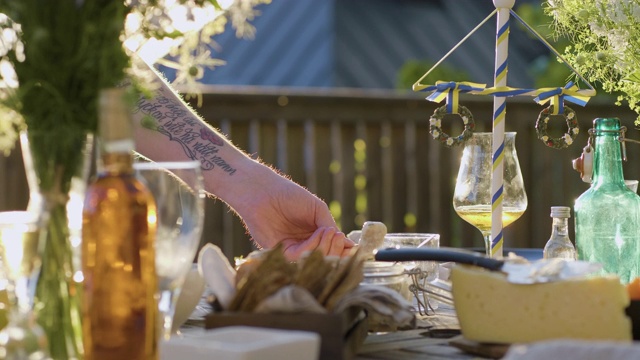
x,y
178,191
21,244
472,194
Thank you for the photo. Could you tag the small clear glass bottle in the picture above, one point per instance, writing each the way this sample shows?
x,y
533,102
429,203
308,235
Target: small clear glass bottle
x,y
559,244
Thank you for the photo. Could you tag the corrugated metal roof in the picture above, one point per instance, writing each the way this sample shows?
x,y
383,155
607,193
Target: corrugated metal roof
x,y
293,46
363,43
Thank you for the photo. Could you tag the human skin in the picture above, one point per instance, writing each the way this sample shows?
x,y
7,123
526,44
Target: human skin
x,y
273,208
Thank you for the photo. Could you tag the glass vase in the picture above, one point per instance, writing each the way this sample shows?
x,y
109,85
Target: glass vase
x,y
57,172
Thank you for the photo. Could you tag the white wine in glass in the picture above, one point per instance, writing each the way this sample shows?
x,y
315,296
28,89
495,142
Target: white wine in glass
x,y
480,216
472,194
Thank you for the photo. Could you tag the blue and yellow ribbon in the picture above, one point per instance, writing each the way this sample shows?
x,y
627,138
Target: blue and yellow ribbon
x,y
451,91
557,97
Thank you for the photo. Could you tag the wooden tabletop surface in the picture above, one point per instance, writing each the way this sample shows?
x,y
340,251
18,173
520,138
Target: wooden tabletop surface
x,y
435,337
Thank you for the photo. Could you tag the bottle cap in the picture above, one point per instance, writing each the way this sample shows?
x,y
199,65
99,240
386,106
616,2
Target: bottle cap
x,y
560,211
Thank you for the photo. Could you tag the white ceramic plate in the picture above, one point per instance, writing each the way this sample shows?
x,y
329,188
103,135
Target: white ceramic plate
x,y
242,343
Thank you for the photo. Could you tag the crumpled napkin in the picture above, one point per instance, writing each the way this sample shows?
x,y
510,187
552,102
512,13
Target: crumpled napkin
x,y
290,298
547,270
218,274
574,350
386,308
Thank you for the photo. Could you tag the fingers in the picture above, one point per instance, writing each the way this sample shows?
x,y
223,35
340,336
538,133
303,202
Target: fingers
x,y
328,240
349,251
334,243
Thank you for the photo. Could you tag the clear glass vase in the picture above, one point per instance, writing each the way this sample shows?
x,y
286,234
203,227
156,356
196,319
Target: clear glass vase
x,y
57,173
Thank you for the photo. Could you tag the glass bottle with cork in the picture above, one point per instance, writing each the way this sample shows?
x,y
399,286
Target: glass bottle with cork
x,y
120,313
559,244
607,215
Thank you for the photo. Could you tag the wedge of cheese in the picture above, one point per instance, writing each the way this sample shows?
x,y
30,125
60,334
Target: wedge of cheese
x,y
492,310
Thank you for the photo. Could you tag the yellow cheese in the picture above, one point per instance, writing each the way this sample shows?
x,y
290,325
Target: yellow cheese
x,y
492,310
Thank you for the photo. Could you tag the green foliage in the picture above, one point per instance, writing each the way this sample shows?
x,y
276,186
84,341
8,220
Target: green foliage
x,y
58,54
605,40
63,62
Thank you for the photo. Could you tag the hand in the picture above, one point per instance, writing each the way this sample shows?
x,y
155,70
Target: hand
x,y
277,210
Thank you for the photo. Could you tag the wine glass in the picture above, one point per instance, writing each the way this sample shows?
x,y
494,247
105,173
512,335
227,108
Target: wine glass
x,y
21,244
179,195
472,194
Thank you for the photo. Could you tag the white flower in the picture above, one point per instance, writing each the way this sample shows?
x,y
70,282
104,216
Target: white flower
x,y
450,141
618,39
575,131
568,139
570,115
546,120
435,134
8,76
545,138
604,37
10,125
465,120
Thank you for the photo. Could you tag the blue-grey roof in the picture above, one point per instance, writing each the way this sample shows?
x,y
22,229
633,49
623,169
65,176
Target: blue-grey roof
x,y
363,43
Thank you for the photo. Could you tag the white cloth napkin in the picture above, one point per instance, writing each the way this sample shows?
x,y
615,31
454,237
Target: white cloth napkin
x,y
290,298
386,307
218,273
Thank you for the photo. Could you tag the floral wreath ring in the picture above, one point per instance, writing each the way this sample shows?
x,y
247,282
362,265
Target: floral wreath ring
x,y
566,139
435,127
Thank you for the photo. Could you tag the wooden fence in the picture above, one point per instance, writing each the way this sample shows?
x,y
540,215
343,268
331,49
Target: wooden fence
x,y
370,156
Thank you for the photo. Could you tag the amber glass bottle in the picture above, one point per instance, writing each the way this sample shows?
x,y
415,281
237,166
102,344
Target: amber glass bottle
x,y
118,258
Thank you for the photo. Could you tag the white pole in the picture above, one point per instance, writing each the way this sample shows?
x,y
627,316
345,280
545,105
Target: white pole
x,y
499,112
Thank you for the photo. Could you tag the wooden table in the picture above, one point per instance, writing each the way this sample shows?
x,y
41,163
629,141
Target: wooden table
x,y
432,339
437,336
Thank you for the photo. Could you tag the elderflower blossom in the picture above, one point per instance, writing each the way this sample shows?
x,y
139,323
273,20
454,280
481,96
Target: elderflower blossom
x,y
605,37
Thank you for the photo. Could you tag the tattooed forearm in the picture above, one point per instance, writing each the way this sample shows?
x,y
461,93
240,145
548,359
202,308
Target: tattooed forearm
x,y
198,142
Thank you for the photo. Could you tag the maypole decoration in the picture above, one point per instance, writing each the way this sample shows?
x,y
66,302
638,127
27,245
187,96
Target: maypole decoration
x,y
449,91
499,111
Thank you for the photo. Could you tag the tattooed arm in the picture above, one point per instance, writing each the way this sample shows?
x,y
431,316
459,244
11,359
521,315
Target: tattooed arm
x,y
273,208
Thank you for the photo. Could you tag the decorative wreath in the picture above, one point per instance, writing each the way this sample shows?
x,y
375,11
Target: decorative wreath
x,y
566,139
435,127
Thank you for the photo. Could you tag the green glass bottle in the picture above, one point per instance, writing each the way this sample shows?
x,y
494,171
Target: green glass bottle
x,y
607,215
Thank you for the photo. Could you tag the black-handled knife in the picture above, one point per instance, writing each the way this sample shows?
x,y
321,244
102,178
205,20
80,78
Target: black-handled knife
x,y
439,254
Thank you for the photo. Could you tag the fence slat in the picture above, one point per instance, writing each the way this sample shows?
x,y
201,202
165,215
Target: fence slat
x,y
310,148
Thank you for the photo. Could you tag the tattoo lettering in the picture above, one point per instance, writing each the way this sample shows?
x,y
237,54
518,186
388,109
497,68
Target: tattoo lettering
x,y
197,141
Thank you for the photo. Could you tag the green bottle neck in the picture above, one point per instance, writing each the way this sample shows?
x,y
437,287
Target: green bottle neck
x,y
607,160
